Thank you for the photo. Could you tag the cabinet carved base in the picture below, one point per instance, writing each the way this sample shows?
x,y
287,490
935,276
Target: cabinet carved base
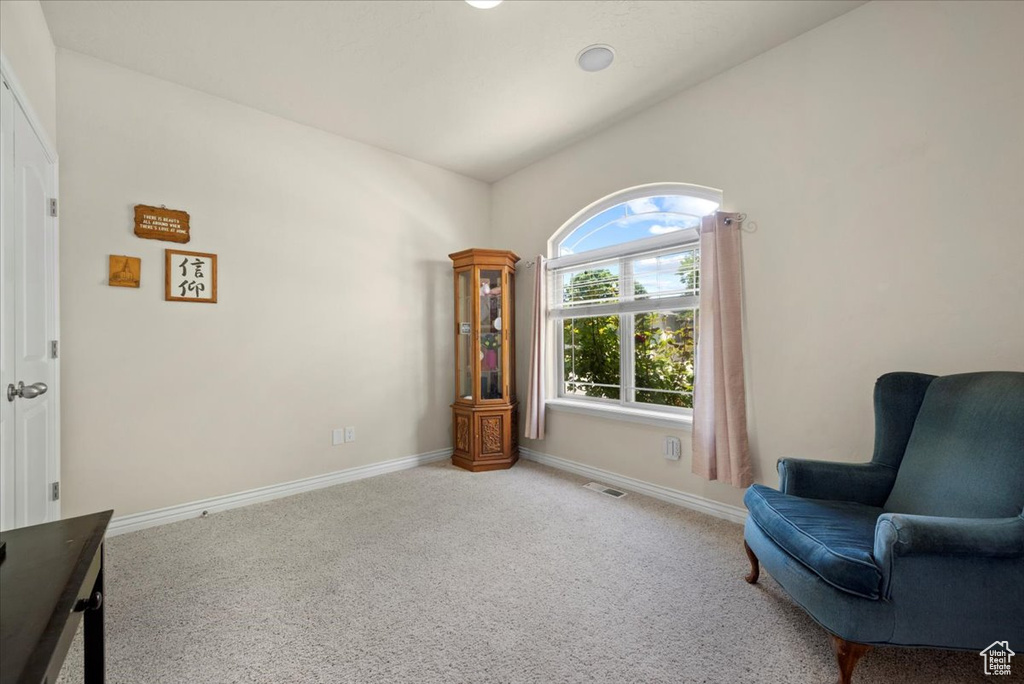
x,y
481,466
484,437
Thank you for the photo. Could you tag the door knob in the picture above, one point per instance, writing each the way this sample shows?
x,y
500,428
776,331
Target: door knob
x,y
26,391
32,391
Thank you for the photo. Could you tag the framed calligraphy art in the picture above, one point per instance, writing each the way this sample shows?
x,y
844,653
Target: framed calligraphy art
x,y
190,276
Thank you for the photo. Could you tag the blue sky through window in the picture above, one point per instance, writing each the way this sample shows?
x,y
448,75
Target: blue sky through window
x,y
635,220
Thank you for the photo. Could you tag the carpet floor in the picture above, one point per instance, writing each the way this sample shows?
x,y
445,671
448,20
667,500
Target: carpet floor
x,y
439,575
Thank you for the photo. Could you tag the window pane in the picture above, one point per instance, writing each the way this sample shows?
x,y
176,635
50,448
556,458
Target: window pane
x,y
664,344
590,285
636,219
668,275
591,349
593,233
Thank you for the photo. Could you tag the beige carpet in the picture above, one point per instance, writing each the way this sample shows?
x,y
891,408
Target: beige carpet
x,y
439,575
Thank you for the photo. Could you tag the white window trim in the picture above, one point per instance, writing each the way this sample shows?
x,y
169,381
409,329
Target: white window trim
x,y
658,243
659,416
614,410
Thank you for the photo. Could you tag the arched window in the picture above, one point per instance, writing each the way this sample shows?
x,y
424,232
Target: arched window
x,y
625,282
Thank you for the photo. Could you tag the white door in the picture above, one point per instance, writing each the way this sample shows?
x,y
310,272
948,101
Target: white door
x,y
28,378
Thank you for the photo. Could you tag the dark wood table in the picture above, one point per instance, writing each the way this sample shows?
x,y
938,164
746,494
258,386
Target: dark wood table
x,y
51,577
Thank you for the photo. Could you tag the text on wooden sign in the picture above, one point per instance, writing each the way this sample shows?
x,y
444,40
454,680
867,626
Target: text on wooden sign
x,y
158,223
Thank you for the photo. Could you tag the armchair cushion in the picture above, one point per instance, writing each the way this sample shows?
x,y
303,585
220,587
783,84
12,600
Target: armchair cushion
x,y
965,457
833,539
865,483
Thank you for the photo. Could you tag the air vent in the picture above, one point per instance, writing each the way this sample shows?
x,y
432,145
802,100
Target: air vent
x,y
597,487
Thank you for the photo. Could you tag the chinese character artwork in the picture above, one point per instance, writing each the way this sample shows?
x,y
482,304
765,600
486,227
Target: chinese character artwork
x,y
191,277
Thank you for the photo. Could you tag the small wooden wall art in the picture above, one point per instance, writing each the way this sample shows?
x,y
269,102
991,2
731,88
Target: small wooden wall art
x,y
159,223
190,276
125,271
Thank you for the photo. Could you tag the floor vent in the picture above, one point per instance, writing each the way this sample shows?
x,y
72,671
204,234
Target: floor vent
x,y
605,490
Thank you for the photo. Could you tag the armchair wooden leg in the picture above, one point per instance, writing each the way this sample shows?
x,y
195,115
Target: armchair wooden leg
x,y
847,655
755,565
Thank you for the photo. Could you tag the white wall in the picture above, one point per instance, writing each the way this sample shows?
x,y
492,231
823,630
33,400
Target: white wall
x,y
334,287
882,158
26,44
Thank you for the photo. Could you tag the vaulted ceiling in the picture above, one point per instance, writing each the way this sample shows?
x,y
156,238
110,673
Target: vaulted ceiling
x,y
480,92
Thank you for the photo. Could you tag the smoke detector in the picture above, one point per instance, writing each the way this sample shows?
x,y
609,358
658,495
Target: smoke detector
x,y
595,57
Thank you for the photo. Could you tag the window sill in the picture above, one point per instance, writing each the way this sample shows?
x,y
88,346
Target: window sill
x,y
628,414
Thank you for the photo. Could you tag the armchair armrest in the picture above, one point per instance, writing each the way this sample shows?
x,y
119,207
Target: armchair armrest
x,y
897,534
951,581
932,554
866,483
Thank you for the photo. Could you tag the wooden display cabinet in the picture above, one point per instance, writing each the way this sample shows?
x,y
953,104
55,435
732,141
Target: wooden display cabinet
x,y
485,420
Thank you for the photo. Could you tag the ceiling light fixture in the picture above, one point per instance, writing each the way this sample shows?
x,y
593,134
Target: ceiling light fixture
x,y
595,57
483,4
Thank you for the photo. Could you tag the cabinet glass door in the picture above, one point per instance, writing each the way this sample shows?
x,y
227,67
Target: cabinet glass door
x,y
464,343
510,299
491,363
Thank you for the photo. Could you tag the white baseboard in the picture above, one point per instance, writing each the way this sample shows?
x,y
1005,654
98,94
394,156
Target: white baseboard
x,y
162,516
674,496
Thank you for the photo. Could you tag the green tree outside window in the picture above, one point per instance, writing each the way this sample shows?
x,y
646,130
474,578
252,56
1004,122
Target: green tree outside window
x,y
663,343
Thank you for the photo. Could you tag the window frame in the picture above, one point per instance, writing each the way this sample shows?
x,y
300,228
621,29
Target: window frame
x,y
624,254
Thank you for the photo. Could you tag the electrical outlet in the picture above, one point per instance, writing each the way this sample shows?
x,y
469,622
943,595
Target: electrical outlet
x,y
350,434
337,437
673,448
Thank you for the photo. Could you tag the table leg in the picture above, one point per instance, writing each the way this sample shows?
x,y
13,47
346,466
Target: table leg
x,y
93,634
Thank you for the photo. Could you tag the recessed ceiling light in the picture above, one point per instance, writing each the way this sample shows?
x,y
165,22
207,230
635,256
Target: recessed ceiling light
x,y
595,57
483,4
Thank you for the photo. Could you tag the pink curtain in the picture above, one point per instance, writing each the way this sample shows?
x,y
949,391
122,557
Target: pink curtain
x,y
535,391
720,447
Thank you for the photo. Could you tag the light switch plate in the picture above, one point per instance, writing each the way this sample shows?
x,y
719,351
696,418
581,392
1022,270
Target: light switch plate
x,y
337,437
673,448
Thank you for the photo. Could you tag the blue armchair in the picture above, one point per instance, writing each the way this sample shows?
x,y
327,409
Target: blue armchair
x,y
924,545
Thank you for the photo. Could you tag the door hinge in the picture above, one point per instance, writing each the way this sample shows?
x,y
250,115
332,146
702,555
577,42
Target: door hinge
x,y
53,206
55,491
54,349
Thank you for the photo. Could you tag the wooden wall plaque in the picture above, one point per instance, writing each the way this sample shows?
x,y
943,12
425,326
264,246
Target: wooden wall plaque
x,y
125,271
158,223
